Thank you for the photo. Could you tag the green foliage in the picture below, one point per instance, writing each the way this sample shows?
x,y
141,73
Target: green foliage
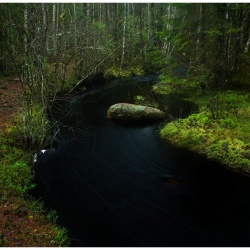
x,y
221,105
242,76
10,153
146,101
135,71
15,174
31,126
15,179
98,26
139,99
154,60
205,38
228,123
213,32
170,130
174,85
232,152
114,73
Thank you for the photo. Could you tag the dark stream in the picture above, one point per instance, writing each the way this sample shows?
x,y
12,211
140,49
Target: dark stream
x,y
118,184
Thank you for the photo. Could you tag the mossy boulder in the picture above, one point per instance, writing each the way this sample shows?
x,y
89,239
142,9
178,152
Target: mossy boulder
x,y
127,111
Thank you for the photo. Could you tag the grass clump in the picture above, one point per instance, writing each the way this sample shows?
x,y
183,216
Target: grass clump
x,y
220,130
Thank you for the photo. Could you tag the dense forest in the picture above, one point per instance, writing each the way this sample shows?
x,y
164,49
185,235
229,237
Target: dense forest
x,y
55,47
200,50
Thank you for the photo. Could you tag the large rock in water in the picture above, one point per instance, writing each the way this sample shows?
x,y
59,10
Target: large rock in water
x,y
127,111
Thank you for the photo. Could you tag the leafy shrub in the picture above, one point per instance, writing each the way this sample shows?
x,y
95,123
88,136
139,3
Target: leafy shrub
x,y
201,119
15,179
139,99
30,127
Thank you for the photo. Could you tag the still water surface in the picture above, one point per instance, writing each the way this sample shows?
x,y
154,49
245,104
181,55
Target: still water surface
x,y
117,183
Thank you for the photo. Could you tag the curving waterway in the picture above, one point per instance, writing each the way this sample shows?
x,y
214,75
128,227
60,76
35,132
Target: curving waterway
x,y
117,183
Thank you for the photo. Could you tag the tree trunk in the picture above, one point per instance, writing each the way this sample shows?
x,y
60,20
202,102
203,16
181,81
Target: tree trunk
x,y
115,30
45,28
55,27
201,34
124,33
26,29
219,69
238,42
141,34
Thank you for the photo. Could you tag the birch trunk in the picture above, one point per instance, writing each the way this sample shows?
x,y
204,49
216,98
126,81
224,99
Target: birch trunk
x,y
45,28
55,27
141,33
26,29
124,33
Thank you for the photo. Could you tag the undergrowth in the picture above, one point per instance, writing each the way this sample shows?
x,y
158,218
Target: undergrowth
x,y
174,85
23,220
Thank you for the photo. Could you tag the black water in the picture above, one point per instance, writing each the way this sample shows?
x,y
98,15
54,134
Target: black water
x,y
118,184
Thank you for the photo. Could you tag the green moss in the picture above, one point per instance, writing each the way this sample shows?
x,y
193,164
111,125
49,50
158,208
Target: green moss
x,y
223,137
114,73
232,152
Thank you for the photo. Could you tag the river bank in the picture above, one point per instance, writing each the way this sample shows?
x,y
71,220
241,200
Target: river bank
x,y
24,222
219,130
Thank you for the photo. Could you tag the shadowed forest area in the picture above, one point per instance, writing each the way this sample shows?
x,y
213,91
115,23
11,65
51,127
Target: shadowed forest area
x,y
53,51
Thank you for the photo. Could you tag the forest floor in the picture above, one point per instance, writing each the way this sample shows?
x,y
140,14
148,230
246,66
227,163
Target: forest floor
x,y
23,221
10,92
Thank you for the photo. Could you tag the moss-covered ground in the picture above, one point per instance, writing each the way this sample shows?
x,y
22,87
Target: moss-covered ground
x,y
220,130
115,73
